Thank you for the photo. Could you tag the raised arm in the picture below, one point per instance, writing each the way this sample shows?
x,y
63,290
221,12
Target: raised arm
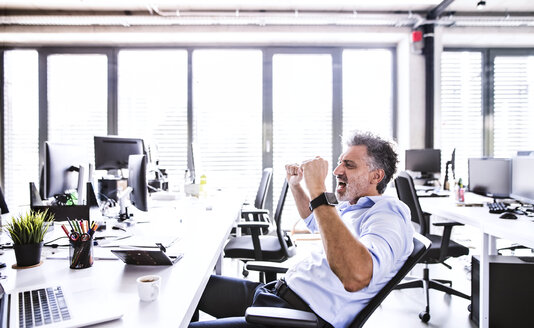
x,y
348,258
294,177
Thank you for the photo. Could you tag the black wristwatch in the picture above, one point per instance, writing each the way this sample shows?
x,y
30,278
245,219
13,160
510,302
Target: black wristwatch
x,y
326,198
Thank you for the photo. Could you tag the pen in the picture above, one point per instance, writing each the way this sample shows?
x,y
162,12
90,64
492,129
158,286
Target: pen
x,y
70,223
65,229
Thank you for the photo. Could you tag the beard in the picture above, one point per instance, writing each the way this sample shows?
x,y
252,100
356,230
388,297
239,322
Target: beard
x,y
352,189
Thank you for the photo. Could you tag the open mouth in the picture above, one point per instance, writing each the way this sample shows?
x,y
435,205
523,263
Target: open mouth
x,y
341,186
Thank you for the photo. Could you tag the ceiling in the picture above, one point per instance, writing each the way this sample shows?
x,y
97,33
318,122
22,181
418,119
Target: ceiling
x,y
396,13
457,6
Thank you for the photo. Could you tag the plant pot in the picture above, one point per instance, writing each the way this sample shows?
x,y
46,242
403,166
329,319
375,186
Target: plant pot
x,y
28,254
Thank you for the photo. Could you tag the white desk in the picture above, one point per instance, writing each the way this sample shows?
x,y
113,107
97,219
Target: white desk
x,y
203,232
490,226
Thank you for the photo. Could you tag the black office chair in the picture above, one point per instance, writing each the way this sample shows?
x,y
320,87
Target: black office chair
x,y
273,247
258,211
3,204
442,246
280,317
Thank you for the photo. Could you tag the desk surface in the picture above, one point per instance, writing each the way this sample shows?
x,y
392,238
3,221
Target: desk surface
x,y
520,231
203,234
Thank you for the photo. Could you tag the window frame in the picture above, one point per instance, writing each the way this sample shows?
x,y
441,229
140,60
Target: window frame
x,y
267,106
488,94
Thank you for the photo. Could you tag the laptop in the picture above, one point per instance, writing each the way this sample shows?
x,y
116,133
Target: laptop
x,y
54,306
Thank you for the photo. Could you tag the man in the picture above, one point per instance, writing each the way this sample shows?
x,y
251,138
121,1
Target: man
x,y
366,239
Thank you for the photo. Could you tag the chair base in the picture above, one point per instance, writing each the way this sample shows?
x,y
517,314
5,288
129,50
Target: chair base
x,y
426,283
433,284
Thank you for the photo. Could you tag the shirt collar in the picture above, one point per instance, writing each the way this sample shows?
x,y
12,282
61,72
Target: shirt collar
x,y
363,202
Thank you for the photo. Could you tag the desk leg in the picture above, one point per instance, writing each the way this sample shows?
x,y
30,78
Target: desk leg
x,y
492,248
484,280
218,265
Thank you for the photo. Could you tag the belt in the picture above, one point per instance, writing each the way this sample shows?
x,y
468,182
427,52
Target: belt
x,y
282,289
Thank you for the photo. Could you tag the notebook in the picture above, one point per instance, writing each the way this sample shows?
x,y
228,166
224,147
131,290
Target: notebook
x,y
54,306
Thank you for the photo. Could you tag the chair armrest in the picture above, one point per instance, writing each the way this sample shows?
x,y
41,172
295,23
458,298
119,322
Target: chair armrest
x,y
253,224
280,317
264,266
254,211
447,224
445,237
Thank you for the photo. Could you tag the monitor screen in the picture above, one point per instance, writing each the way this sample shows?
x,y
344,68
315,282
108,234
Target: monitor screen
x,y
523,179
138,182
490,176
426,161
111,153
62,168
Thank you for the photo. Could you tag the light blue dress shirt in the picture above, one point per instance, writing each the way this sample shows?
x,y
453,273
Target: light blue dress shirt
x,y
383,225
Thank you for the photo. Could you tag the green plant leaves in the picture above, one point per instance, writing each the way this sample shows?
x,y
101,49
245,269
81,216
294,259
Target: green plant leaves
x,y
29,228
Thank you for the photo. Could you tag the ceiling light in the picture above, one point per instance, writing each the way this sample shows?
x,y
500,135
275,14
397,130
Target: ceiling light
x,y
481,5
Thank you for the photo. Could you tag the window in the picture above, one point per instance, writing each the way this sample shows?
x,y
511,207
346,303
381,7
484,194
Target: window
x,y
368,91
152,105
21,125
215,98
513,105
227,118
461,108
77,99
302,117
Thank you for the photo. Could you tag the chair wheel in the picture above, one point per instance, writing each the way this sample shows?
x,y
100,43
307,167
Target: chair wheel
x,y
424,316
245,273
469,308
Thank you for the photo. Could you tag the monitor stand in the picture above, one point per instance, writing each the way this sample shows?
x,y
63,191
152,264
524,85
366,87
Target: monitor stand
x,y
428,180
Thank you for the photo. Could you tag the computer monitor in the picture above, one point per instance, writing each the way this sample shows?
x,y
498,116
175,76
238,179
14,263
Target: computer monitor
x,y
111,152
425,161
138,182
452,165
523,179
63,169
490,177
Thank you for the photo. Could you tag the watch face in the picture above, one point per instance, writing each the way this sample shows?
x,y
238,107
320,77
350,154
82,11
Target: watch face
x,y
331,197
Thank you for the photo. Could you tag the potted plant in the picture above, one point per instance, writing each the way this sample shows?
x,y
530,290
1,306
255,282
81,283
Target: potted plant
x,y
27,232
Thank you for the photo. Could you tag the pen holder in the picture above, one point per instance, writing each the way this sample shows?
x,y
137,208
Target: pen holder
x,y
81,253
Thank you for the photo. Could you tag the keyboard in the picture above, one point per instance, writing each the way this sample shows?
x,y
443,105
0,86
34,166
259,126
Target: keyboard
x,y
42,306
497,207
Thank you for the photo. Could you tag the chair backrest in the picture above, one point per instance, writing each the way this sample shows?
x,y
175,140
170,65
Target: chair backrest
x,y
407,194
263,189
278,220
3,205
421,245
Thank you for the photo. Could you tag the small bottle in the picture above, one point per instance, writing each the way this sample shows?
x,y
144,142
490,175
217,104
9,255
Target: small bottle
x,y
202,188
460,193
188,179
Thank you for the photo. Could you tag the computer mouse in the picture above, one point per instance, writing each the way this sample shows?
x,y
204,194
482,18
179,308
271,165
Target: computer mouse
x,y
508,216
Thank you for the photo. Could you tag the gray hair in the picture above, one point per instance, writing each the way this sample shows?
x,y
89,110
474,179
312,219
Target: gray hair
x,y
380,152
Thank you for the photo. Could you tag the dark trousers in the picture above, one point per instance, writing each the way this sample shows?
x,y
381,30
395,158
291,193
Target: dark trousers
x,y
228,298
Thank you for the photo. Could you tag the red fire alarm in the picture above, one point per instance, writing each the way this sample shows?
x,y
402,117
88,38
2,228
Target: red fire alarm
x,y
417,36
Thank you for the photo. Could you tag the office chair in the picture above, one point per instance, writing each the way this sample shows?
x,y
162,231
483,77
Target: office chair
x,y
3,204
258,211
257,246
442,246
278,317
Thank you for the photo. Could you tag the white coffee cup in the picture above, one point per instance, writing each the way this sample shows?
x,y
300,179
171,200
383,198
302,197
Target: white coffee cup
x,y
148,287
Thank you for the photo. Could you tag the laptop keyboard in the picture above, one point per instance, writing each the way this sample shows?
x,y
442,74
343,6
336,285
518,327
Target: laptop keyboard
x,y
42,307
